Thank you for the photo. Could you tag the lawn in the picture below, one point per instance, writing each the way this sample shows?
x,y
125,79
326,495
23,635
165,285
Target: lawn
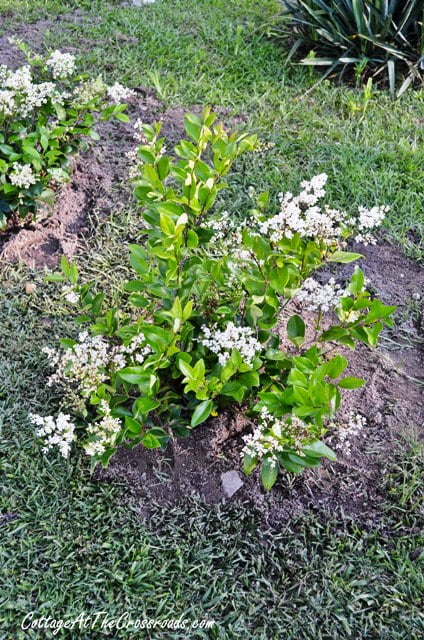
x,y
70,544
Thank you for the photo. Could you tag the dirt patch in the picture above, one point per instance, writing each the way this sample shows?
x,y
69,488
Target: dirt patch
x,y
33,34
36,33
391,401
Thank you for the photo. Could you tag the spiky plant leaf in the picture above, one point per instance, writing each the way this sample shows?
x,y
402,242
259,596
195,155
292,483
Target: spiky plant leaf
x,y
373,34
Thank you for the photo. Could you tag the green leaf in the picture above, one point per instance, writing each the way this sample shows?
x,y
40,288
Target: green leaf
x,y
249,379
192,239
60,111
134,375
290,464
301,396
166,224
296,330
357,282
157,434
28,150
138,264
122,117
185,368
234,389
201,412
133,426
249,463
163,167
269,474
279,278
344,257
351,383
298,378
54,277
150,441
137,300
336,366
316,448
143,405
303,461
156,336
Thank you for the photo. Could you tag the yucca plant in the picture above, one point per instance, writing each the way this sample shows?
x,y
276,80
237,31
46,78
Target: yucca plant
x,y
378,35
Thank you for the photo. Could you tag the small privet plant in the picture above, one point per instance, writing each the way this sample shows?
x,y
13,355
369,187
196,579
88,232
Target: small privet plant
x,y
46,111
218,314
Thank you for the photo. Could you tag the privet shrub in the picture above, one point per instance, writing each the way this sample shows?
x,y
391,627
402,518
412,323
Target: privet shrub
x,y
201,326
46,111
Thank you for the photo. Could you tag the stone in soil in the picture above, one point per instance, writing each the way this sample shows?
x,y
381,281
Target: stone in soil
x,y
231,483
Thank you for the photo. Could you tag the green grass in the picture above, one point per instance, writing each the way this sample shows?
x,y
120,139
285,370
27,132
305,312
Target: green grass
x,y
73,545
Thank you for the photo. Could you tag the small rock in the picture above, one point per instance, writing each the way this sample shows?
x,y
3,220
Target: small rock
x,y
30,287
231,482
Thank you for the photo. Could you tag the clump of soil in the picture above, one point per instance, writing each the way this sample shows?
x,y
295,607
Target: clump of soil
x,y
391,401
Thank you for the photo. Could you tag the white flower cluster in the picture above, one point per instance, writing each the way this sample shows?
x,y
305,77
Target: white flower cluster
x,y
62,64
319,297
70,294
58,175
88,361
229,231
56,432
22,175
355,424
118,93
221,226
103,433
232,337
37,95
7,102
135,164
273,436
369,219
302,214
21,95
137,350
4,71
89,90
19,80
139,134
85,363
